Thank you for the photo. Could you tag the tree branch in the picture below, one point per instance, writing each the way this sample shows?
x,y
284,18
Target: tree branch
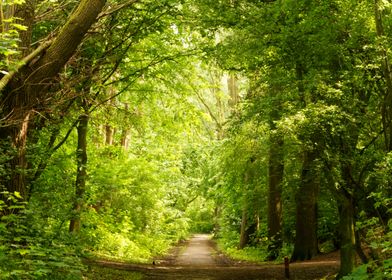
x,y
117,8
26,60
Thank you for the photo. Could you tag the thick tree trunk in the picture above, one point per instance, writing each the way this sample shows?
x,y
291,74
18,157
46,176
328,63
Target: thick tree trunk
x,y
15,137
25,14
347,235
275,178
66,43
14,133
305,246
8,12
81,173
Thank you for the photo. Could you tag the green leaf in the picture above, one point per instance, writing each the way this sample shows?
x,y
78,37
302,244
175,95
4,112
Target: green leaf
x,y
17,194
19,26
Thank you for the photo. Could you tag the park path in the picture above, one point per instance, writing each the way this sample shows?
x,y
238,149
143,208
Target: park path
x,y
198,252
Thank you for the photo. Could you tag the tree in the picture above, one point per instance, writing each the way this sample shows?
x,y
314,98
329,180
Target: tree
x,y
27,91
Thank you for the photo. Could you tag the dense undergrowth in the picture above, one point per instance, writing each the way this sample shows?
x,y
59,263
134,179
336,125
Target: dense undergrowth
x,y
31,251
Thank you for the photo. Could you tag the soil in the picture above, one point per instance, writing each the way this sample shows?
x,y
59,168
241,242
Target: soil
x,y
198,259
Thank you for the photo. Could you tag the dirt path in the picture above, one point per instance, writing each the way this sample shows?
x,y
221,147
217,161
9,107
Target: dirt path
x,y
198,252
197,259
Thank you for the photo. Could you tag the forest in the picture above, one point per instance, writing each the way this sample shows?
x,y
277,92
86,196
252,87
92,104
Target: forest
x,y
127,125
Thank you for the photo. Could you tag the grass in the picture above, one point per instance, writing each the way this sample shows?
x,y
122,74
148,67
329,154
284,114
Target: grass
x,y
248,254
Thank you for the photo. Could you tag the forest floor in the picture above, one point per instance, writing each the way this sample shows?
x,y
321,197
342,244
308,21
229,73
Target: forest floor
x,y
199,259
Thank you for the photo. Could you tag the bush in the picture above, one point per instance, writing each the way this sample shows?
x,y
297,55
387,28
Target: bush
x,y
28,254
373,271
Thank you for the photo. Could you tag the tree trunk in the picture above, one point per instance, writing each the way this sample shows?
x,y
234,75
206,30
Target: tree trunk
x,y
305,246
347,235
250,217
358,248
25,13
275,178
244,237
386,113
124,138
249,226
14,178
217,213
125,129
7,12
232,85
81,173
14,134
108,135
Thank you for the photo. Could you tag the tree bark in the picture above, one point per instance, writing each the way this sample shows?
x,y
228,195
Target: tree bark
x,y
217,213
8,12
275,178
81,173
124,138
249,224
66,43
125,129
250,220
358,248
386,113
25,14
109,131
244,236
306,245
232,85
14,136
347,235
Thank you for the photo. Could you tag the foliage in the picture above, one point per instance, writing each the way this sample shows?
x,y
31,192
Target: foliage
x,y
372,270
9,36
201,216
27,252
